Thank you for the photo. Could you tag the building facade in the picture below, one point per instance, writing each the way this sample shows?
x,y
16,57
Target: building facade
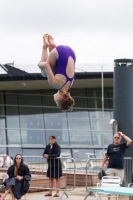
x,y
28,115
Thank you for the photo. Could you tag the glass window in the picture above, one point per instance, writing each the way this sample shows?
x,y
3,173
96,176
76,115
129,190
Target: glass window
x,y
80,102
79,124
35,153
39,118
107,118
80,92
29,98
110,92
65,138
2,112
12,122
33,137
66,152
108,137
11,110
30,104
61,136
78,113
48,92
90,92
57,127
93,113
106,104
2,131
30,111
82,155
48,101
55,123
1,107
110,103
31,133
31,122
111,113
92,103
50,108
100,120
96,124
13,151
12,103
101,138
13,135
99,153
2,136
97,138
96,92
99,103
53,112
80,137
11,98
104,119
105,92
2,150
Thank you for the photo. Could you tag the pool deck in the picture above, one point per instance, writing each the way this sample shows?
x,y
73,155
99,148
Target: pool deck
x,y
79,193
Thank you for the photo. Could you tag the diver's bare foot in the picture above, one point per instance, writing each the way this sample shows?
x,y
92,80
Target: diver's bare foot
x,y
45,41
52,44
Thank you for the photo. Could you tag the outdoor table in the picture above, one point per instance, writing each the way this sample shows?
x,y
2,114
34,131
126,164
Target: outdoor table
x,y
124,191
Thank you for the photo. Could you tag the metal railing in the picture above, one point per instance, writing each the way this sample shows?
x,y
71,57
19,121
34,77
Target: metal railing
x,y
60,169
41,170
92,171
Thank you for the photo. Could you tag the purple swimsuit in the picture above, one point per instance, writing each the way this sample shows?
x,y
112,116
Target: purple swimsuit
x,y
61,63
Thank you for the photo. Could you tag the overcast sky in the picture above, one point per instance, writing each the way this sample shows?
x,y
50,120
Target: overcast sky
x,y
95,29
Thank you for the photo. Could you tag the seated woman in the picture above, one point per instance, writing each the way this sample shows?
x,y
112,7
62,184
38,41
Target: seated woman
x,y
19,175
59,67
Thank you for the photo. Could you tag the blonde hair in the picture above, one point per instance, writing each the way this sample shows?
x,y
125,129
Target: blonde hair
x,y
66,103
15,170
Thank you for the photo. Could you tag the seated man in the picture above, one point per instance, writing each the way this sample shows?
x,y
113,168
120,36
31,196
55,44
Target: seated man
x,y
5,160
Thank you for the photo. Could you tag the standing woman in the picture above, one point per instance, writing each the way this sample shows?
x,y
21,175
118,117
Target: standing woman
x,y
58,65
19,175
54,171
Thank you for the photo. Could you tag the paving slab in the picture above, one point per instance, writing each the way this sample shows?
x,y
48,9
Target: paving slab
x,y
79,193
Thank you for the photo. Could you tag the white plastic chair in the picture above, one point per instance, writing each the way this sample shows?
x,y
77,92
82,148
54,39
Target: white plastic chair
x,y
130,185
109,181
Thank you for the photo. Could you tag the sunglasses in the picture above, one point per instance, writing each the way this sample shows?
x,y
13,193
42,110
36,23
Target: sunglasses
x,y
18,158
117,137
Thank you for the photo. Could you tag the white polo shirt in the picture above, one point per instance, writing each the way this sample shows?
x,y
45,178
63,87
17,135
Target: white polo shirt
x,y
9,161
1,160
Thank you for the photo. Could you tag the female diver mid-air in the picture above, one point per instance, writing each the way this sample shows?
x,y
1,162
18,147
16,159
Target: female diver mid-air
x,y
58,65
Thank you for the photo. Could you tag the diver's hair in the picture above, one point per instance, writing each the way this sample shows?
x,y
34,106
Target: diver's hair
x,y
66,103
